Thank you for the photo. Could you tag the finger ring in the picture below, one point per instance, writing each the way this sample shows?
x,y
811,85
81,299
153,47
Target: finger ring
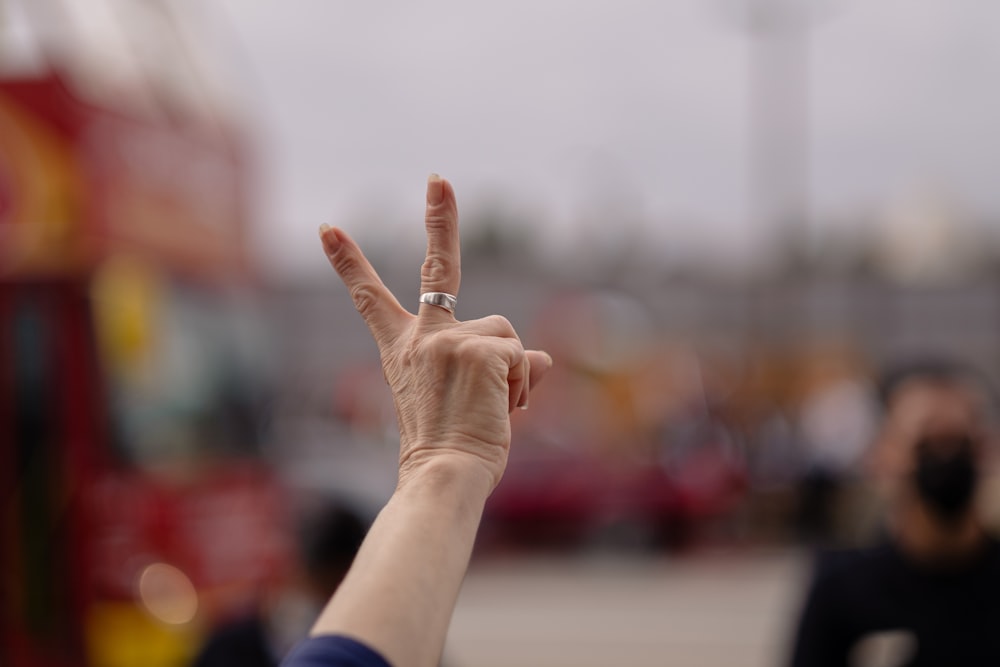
x,y
440,299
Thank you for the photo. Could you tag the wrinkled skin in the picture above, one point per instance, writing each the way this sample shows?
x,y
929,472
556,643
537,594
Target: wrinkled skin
x,y
454,384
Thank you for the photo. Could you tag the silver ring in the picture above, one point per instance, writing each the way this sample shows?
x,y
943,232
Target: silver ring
x,y
440,299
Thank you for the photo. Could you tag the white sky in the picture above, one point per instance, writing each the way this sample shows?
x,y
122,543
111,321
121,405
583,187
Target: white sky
x,y
568,109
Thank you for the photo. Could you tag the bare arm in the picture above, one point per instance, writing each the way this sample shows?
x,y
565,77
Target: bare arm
x,y
399,596
454,385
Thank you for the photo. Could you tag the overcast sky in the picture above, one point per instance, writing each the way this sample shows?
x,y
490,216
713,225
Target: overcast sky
x,y
565,110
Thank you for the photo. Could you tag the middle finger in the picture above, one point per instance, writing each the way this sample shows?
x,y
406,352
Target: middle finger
x,y
442,267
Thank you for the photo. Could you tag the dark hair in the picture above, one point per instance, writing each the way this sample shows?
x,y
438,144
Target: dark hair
x,y
330,539
938,370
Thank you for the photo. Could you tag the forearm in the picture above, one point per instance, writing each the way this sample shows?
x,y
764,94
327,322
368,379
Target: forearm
x,y
454,385
399,594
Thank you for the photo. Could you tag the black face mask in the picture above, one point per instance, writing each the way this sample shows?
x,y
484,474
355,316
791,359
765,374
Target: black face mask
x,y
946,475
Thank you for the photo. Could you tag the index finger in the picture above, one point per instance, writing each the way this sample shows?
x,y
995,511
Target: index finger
x,y
442,268
381,311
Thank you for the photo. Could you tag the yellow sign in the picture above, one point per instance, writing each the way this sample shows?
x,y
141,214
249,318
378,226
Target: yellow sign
x,y
120,634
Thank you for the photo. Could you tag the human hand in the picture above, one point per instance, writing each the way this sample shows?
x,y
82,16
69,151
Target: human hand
x,y
454,384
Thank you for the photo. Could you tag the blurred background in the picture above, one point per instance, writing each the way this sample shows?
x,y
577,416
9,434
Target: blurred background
x,y
720,217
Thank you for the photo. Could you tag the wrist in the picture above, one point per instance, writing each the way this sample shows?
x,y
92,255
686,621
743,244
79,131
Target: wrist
x,y
449,476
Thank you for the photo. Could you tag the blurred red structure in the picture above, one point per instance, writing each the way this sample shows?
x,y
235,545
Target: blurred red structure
x,y
134,511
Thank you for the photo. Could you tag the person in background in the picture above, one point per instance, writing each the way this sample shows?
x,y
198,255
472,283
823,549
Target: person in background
x,y
454,385
929,592
330,539
836,423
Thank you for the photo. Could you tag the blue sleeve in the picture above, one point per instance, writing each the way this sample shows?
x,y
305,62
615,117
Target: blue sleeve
x,y
333,651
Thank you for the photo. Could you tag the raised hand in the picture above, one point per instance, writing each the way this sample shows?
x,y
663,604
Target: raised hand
x,y
454,383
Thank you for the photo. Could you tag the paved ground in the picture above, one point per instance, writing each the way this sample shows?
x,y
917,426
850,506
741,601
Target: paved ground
x,y
703,611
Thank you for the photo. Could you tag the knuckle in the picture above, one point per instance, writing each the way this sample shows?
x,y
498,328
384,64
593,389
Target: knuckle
x,y
468,351
364,299
501,324
464,352
440,222
343,263
475,353
437,350
436,269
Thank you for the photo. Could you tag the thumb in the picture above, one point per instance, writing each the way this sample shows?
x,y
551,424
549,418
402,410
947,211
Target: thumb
x,y
540,363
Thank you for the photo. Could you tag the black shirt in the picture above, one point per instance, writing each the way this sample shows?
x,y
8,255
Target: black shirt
x,y
242,643
944,617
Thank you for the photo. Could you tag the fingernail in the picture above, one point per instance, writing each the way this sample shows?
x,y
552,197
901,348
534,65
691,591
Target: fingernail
x,y
330,241
435,190
523,403
548,357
